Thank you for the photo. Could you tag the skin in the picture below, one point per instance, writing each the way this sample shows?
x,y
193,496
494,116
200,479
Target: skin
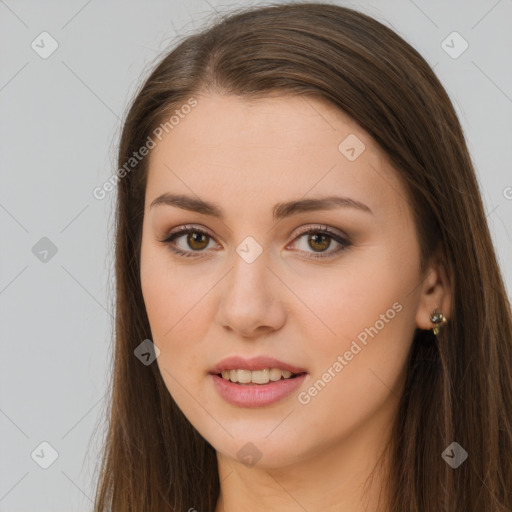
x,y
246,156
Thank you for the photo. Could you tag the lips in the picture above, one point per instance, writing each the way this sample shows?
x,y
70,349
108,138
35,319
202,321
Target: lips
x,y
257,395
255,363
253,394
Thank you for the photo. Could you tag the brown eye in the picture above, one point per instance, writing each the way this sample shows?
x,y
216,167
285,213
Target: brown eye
x,y
319,242
316,240
196,240
189,242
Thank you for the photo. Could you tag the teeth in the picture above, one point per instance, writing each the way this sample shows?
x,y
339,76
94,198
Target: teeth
x,y
275,374
244,376
256,376
260,376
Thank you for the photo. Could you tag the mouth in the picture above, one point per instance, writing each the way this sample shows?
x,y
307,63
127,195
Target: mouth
x,y
245,377
256,370
257,382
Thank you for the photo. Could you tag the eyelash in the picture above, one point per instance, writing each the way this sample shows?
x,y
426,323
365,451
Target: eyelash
x,y
318,229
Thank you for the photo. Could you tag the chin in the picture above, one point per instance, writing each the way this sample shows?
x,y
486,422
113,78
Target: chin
x,y
253,448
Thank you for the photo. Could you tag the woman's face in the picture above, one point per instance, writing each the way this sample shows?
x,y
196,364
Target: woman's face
x,y
339,305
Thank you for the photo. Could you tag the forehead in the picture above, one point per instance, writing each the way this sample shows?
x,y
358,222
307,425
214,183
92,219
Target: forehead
x,y
265,125
249,152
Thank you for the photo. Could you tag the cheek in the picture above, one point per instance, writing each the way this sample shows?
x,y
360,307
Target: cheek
x,y
381,268
168,300
352,297
175,299
369,310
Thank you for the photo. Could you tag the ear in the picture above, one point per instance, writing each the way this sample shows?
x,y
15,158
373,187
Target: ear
x,y
436,293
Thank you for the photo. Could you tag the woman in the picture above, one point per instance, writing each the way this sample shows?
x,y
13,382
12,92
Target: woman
x,y
301,236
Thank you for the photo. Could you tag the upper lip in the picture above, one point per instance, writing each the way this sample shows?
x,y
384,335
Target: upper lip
x,y
254,363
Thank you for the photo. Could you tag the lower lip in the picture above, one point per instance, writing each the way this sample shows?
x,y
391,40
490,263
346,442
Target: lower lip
x,y
256,395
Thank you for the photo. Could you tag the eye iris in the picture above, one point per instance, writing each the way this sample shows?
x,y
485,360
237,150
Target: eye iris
x,y
324,244
194,238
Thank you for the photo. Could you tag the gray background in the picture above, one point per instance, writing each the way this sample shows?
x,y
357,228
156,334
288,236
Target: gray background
x,y
60,119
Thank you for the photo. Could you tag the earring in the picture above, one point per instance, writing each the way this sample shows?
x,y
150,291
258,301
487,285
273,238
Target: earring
x,y
439,320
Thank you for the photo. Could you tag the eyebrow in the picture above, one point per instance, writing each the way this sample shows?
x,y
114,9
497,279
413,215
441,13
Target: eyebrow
x,y
280,210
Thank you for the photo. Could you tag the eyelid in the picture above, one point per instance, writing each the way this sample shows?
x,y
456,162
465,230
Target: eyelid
x,y
184,227
319,227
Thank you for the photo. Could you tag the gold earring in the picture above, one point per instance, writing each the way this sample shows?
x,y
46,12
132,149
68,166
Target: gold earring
x,y
439,320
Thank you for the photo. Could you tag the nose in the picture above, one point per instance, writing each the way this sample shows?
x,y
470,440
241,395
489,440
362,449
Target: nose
x,y
251,304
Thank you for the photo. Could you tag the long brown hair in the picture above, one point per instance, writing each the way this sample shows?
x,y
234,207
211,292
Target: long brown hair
x,y
458,386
